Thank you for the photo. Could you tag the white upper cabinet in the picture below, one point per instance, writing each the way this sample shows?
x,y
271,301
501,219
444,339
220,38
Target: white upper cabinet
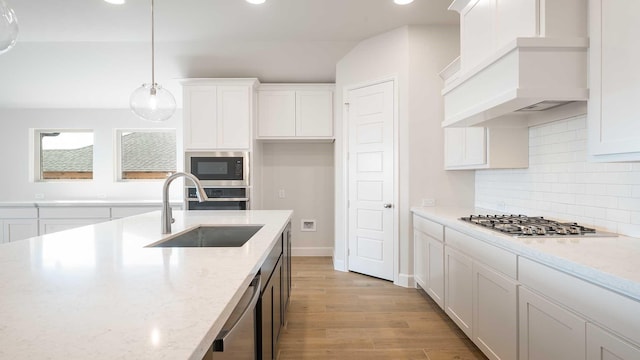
x,y
217,113
517,57
295,111
614,128
486,148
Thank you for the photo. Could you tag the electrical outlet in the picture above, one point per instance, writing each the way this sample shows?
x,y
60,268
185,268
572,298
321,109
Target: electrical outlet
x,y
428,202
39,196
101,196
281,194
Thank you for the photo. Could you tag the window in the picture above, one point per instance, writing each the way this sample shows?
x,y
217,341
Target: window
x,y
64,154
146,154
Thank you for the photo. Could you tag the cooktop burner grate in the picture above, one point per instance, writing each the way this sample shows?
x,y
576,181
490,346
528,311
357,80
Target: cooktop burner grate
x,y
523,226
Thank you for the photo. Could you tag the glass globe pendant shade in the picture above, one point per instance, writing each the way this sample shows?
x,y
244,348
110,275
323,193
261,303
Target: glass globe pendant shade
x,y
152,102
8,27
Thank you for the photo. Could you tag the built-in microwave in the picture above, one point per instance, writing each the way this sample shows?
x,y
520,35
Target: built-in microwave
x,y
219,168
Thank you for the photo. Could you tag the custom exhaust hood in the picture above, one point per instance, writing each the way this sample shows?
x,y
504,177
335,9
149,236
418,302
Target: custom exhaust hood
x,y
534,74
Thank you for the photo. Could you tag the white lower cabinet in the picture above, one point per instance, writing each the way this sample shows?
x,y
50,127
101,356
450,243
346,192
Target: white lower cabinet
x,y
429,258
18,229
17,223
483,303
495,307
435,270
54,219
458,298
548,331
602,345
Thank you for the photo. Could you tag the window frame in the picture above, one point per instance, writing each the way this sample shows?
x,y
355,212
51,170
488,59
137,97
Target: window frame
x,y
118,151
36,155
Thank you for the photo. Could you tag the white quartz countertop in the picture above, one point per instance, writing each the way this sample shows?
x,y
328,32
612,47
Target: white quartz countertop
x,y
97,292
611,262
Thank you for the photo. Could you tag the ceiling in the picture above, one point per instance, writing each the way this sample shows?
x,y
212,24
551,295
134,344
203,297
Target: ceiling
x,y
88,53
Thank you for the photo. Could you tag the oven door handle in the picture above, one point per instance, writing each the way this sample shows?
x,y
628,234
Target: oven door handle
x,y
226,335
221,199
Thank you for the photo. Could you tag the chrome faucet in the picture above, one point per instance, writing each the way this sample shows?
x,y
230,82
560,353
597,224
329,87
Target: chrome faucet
x,y
167,218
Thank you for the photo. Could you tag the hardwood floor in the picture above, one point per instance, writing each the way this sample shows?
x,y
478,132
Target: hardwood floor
x,y
336,315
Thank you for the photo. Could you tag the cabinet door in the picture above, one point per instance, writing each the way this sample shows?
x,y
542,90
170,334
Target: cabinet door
x,y
276,279
458,301
420,258
435,270
614,129
18,229
233,117
602,345
495,309
48,226
276,113
266,322
465,147
200,111
314,113
548,331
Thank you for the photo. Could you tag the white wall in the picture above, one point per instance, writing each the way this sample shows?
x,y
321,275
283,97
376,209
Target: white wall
x,y
305,172
413,55
15,149
561,184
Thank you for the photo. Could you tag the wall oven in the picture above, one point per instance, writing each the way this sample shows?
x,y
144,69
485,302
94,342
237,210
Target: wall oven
x,y
219,199
219,168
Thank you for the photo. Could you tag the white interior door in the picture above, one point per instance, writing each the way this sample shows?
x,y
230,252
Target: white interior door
x,y
371,175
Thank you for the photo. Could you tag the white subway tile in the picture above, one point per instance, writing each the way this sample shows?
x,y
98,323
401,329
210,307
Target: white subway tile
x,y
596,189
619,216
575,210
595,212
619,190
635,217
577,123
635,191
628,203
629,230
619,166
606,225
560,126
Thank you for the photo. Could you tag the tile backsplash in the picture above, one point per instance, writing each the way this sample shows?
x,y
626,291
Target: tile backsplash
x,y
561,184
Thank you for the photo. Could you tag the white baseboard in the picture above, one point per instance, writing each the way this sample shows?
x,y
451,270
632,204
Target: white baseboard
x,y
311,251
405,280
339,265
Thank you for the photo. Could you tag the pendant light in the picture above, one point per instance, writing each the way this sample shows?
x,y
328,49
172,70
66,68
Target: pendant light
x,y
8,27
151,101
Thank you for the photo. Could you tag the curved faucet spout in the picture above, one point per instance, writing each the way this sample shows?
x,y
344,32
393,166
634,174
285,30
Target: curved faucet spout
x,y
167,218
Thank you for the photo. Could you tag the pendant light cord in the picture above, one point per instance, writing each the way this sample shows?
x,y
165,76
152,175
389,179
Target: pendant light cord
x,y
153,77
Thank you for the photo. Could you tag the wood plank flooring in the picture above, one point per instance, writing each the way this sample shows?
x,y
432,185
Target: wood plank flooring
x,y
336,315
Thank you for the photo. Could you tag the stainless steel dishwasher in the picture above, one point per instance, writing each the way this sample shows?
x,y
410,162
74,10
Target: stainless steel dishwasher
x,y
237,339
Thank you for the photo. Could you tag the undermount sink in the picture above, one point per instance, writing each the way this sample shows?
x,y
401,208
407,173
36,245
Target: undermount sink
x,y
212,236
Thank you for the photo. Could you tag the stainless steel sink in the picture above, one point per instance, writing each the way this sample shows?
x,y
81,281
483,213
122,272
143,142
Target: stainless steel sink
x,y
212,236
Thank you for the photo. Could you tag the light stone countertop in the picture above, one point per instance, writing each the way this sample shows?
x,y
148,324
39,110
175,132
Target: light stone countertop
x,y
611,262
96,292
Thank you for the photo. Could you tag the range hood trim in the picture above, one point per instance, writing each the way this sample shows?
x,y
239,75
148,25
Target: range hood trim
x,y
514,66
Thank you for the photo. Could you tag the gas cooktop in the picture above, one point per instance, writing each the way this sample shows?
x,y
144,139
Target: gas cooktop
x,y
536,226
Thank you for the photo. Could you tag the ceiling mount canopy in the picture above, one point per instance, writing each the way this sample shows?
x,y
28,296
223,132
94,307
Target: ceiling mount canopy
x,y
8,27
151,101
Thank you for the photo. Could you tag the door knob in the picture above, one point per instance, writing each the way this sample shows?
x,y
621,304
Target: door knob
x,y
387,206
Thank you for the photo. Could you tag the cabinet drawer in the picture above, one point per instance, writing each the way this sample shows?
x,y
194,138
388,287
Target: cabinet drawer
x,y
496,258
614,311
19,213
75,213
428,227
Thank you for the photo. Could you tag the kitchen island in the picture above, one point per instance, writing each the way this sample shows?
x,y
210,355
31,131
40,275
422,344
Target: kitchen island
x,y
98,292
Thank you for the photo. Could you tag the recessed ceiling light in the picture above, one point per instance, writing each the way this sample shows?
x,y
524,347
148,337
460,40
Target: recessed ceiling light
x,y
115,2
255,2
403,2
